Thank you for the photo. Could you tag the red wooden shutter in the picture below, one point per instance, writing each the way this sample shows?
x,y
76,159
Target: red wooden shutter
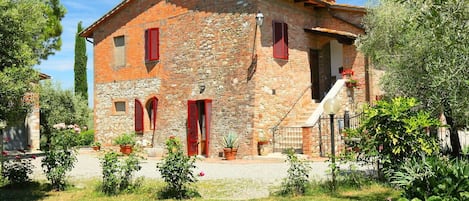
x,y
138,116
152,44
208,117
154,105
280,40
192,133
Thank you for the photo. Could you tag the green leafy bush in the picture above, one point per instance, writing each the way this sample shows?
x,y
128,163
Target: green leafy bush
x,y
433,178
393,131
177,171
61,157
86,138
352,177
297,181
17,170
118,174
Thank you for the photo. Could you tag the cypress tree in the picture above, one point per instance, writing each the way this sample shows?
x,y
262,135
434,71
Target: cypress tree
x,y
81,85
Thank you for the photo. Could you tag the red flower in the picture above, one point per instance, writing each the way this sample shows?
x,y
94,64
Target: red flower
x,y
348,72
17,156
201,174
33,156
4,153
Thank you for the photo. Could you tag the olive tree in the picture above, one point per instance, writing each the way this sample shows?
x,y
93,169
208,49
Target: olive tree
x,y
423,46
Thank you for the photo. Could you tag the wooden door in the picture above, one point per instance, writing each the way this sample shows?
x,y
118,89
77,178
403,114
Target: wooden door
x,y
314,70
198,127
192,128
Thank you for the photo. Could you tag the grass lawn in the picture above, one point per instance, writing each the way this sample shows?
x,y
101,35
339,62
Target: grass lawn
x,y
210,190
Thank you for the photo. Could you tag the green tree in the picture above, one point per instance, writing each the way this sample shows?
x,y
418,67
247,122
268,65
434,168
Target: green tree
x,y
60,106
423,46
81,85
29,31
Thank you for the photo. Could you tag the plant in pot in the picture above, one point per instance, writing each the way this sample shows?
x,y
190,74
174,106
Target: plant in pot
x,y
126,141
230,143
351,83
262,144
96,145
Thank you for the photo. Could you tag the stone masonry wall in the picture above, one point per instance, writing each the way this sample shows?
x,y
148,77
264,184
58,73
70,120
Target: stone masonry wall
x,y
109,123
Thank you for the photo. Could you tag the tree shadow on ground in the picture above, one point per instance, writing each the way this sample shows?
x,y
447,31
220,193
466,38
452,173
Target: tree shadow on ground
x,y
27,192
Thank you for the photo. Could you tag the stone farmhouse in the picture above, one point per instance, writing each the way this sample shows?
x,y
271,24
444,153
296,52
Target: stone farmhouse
x,y
199,69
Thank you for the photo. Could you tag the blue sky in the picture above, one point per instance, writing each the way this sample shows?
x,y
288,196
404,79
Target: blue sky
x,y
60,65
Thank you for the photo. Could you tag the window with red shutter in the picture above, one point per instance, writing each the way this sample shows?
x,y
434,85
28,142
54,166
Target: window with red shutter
x,y
138,116
280,40
152,44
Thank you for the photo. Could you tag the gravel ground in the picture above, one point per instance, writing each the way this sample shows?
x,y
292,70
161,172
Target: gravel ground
x,y
261,173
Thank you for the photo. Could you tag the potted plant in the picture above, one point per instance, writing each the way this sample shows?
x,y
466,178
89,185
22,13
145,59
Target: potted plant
x,y
230,143
126,141
262,143
351,83
96,145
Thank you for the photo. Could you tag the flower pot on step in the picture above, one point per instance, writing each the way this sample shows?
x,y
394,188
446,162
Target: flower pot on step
x,y
126,149
230,153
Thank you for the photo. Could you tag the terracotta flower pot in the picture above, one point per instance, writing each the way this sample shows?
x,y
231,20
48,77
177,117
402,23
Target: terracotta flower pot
x,y
96,148
350,84
230,153
126,149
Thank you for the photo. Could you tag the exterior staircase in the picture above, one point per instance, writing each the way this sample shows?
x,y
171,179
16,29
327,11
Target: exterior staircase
x,y
289,133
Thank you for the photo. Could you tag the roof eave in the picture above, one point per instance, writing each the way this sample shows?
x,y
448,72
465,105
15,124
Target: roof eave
x,y
347,7
88,32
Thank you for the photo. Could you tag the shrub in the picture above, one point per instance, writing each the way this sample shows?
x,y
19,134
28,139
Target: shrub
x,y
17,170
393,131
297,181
177,171
61,157
125,139
433,178
351,177
86,138
117,174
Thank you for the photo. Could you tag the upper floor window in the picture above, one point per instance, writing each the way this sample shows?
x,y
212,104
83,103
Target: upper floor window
x,y
280,40
119,51
152,44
